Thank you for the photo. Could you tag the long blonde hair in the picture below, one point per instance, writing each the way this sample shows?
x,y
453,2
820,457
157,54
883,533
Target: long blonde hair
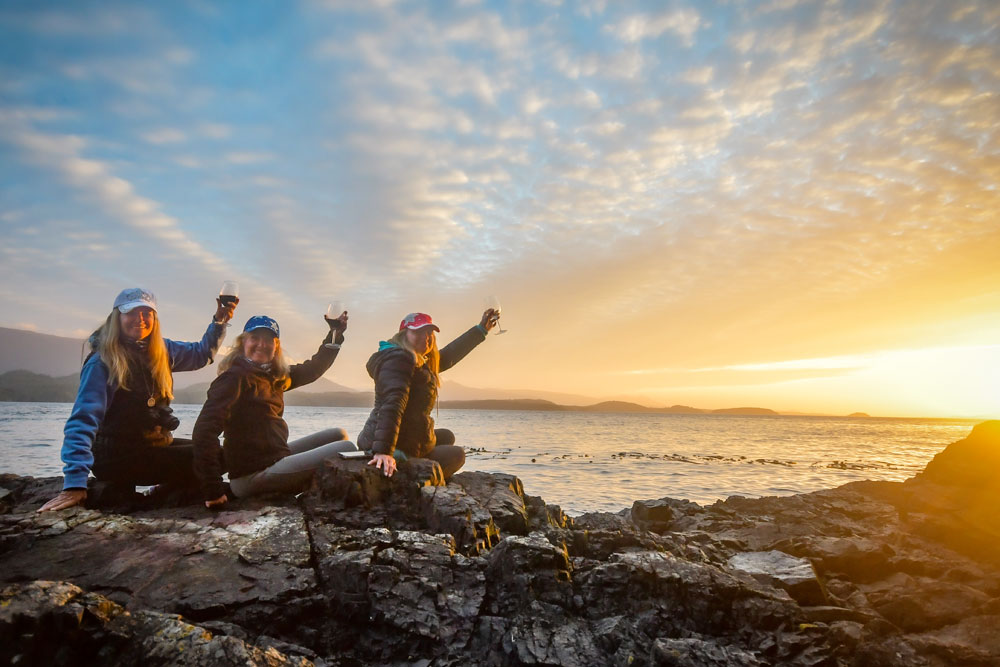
x,y
279,369
107,343
432,358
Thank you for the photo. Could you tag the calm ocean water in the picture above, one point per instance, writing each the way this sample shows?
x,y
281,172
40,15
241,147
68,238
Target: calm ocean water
x,y
586,461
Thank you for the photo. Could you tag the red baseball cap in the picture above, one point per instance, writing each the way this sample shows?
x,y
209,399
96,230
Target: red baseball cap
x,y
417,321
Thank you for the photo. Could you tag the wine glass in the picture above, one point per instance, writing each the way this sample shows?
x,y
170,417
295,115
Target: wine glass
x,y
333,311
230,292
494,303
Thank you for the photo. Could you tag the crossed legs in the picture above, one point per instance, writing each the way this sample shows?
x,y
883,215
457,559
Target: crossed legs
x,y
295,472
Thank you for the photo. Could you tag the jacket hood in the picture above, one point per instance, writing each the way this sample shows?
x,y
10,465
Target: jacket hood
x,y
385,350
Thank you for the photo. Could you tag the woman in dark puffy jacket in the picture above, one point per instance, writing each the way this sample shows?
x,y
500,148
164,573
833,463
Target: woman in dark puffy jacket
x,y
246,403
405,369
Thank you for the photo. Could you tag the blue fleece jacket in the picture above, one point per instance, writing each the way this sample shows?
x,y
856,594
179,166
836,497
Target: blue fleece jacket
x,y
95,393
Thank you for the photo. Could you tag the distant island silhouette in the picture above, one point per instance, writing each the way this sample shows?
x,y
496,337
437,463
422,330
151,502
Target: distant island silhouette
x,y
25,386
603,406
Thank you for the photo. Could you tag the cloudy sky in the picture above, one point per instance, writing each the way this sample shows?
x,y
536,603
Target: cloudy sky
x,y
789,204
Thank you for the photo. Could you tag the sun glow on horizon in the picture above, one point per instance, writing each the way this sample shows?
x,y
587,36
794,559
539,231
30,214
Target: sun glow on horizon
x,y
954,381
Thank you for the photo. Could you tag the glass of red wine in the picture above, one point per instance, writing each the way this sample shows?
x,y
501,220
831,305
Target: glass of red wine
x,y
230,292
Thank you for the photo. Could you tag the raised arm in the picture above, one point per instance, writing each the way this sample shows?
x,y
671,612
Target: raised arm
x,y
313,369
455,351
192,356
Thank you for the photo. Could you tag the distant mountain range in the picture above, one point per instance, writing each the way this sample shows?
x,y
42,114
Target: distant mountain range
x,y
41,368
39,353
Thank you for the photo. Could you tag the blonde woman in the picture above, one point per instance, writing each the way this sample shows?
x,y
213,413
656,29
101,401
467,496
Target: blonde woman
x,y
246,403
405,369
120,426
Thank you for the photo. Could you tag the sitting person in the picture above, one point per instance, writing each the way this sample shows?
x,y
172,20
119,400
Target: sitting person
x,y
246,403
405,369
121,422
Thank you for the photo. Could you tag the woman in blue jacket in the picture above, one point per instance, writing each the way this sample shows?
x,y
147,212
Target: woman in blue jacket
x,y
121,423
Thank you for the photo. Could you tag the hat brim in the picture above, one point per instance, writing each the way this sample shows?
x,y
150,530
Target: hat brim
x,y
132,305
263,327
424,326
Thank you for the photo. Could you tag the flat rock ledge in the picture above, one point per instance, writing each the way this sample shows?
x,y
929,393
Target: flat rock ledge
x,y
364,570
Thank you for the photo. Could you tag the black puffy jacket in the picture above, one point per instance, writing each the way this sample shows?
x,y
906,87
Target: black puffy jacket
x,y
405,395
247,404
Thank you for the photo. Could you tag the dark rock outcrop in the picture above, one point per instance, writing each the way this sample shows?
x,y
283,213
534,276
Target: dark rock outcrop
x,y
368,570
56,623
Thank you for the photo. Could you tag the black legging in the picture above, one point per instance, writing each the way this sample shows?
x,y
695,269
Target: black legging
x,y
141,465
449,456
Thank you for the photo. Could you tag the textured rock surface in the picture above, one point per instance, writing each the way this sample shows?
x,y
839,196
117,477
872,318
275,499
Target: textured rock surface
x,y
795,575
56,623
368,570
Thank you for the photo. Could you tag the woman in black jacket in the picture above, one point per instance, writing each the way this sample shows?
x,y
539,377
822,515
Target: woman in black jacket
x,y
246,403
405,369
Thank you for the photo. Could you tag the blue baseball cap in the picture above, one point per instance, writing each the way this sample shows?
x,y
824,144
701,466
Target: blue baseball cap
x,y
262,322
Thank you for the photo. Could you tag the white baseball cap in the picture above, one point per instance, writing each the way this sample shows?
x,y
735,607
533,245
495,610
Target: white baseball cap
x,y
134,297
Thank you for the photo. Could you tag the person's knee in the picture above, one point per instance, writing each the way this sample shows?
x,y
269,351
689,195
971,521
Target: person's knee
x,y
346,446
452,461
334,434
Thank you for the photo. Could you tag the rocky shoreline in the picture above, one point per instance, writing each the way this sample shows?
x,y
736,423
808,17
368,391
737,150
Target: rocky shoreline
x,y
362,570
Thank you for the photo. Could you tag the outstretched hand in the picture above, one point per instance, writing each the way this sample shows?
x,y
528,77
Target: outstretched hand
x,y
338,326
384,461
224,312
65,499
490,319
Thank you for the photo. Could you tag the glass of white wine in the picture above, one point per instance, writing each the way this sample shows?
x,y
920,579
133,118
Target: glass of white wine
x,y
333,311
494,303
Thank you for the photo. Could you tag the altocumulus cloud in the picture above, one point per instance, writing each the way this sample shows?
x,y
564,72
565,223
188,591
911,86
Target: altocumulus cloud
x,y
724,168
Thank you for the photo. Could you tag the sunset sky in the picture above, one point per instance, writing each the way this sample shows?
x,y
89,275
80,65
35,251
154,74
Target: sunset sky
x,y
783,204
